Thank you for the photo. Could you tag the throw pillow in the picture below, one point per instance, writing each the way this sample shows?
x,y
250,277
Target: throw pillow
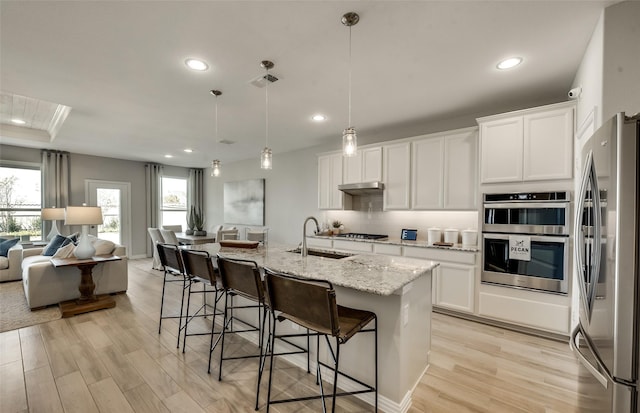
x,y
102,246
57,242
65,252
5,245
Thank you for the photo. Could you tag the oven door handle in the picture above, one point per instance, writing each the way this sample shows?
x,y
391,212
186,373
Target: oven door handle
x,y
527,205
560,239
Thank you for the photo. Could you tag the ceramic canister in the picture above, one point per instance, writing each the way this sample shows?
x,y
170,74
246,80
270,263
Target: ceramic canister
x,y
451,235
434,235
469,237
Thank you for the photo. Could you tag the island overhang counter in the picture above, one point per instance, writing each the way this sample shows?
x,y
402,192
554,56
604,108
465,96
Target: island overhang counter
x,y
397,289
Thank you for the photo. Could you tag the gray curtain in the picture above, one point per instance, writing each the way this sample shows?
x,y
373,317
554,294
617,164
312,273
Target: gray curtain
x,y
195,191
152,183
55,172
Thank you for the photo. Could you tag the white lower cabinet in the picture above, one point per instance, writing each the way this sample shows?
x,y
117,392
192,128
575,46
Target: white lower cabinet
x,y
387,249
541,311
454,287
325,243
358,246
454,281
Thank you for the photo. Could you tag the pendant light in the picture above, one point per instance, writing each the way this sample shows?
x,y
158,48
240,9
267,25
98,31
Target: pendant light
x,y
215,164
349,138
266,158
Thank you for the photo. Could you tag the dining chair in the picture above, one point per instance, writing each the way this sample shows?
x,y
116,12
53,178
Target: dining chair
x,y
169,236
156,238
312,304
174,228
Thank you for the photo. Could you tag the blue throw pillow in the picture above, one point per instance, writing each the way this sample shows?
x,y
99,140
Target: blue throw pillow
x,y
57,242
6,244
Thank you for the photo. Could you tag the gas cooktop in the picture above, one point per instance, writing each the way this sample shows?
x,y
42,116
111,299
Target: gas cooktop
x,y
357,235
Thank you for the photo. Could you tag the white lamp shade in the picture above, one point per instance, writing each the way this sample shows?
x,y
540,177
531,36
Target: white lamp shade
x,y
83,215
52,214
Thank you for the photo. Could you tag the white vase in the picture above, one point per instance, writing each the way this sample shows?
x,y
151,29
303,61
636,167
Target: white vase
x,y
84,249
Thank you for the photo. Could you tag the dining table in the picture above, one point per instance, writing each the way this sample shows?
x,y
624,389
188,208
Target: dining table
x,y
184,238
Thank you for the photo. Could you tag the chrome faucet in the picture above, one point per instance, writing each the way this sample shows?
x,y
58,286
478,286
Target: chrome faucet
x,y
303,250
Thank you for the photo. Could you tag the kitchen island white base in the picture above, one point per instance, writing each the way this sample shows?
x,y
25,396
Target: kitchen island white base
x,y
396,289
404,343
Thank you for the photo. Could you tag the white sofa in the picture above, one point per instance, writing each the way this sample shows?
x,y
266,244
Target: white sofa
x,y
10,269
45,285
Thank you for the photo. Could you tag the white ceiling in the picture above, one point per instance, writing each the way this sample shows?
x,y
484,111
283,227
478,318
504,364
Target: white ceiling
x,y
120,67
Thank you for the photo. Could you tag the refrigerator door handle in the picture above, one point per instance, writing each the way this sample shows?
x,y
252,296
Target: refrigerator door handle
x,y
602,379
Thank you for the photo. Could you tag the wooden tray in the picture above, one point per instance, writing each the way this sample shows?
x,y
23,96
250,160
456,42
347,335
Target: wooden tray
x,y
239,244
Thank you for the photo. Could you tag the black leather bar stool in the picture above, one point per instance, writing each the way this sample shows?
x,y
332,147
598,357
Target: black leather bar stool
x,y
171,260
312,304
199,269
241,278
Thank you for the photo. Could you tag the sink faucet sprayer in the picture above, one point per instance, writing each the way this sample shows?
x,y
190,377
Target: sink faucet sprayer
x,y
303,250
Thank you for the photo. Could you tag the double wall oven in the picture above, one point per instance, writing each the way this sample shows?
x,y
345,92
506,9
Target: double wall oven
x,y
526,240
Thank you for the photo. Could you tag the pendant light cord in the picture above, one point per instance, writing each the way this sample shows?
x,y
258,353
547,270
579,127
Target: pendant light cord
x,y
266,109
350,77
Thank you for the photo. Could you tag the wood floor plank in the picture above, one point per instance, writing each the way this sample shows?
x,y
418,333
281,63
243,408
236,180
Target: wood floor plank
x,y
10,347
89,362
182,403
42,393
123,373
144,400
74,394
34,354
159,381
109,398
12,388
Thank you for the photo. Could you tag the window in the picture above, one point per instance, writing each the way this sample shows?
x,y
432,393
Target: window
x,y
20,203
173,209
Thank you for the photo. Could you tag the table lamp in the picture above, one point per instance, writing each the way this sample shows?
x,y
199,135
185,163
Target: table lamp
x,y
52,214
85,216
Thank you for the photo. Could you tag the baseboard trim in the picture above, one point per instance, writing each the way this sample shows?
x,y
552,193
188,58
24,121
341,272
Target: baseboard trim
x,y
501,324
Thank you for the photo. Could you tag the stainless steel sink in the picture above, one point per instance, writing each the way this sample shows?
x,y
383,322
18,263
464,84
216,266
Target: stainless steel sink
x,y
325,254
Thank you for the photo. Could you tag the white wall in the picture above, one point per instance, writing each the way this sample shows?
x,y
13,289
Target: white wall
x,y
589,77
621,82
291,192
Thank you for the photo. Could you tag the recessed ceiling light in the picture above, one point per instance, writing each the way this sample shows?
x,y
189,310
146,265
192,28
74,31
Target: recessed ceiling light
x,y
318,118
509,63
196,64
18,121
168,156
187,150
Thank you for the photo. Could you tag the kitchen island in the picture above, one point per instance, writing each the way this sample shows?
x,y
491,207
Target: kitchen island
x,y
397,289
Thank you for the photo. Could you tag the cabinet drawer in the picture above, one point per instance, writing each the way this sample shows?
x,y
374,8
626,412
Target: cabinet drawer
x,y
352,246
437,254
387,249
319,242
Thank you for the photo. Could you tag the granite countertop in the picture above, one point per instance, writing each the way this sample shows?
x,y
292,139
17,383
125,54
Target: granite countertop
x,y
398,241
375,274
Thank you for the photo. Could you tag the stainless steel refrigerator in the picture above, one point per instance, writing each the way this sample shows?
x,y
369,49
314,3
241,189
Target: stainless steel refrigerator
x,y
607,251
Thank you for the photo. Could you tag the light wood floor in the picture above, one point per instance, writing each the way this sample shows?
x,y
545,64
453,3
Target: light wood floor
x,y
115,361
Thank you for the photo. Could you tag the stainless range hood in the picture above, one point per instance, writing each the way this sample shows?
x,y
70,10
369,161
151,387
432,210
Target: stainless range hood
x,y
363,188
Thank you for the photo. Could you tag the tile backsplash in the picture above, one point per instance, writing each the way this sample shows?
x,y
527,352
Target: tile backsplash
x,y
375,221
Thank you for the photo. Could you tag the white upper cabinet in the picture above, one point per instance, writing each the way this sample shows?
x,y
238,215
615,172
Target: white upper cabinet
x,y
427,173
501,150
329,177
444,169
548,145
366,166
531,145
396,171
461,170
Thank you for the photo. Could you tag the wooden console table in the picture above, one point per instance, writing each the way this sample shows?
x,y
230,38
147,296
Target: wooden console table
x,y
88,301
